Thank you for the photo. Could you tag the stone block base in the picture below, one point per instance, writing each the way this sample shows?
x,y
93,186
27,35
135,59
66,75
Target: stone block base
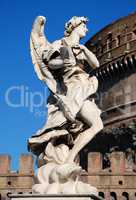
x,y
52,197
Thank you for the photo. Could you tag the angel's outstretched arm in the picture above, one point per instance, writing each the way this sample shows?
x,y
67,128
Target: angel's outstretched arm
x,y
90,57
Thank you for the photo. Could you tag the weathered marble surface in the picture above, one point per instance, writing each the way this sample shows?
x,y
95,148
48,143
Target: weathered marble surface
x,y
73,117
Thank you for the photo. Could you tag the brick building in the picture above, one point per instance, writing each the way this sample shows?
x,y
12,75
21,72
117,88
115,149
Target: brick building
x,y
114,163
16,181
110,159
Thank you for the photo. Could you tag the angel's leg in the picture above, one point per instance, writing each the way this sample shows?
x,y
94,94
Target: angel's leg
x,y
90,114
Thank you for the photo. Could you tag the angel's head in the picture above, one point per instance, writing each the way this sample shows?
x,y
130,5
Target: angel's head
x,y
77,24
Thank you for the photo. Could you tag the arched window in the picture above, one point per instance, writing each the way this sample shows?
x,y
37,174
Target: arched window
x,y
113,196
8,194
109,45
125,196
101,194
109,41
134,32
118,40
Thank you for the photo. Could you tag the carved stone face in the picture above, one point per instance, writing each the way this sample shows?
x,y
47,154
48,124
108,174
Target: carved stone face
x,y
81,30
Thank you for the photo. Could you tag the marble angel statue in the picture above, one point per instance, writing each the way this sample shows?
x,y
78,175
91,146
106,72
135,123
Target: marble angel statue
x,y
73,117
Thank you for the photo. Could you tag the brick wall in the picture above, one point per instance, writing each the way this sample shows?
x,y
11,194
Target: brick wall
x,y
114,181
16,182
115,40
113,43
118,180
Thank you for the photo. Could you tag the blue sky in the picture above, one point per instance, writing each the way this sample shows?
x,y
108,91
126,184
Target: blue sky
x,y
17,75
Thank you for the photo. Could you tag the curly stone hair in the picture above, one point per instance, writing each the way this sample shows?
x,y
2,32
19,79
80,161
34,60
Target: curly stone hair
x,y
73,23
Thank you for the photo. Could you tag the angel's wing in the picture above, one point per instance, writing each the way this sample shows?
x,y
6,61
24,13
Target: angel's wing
x,y
38,44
